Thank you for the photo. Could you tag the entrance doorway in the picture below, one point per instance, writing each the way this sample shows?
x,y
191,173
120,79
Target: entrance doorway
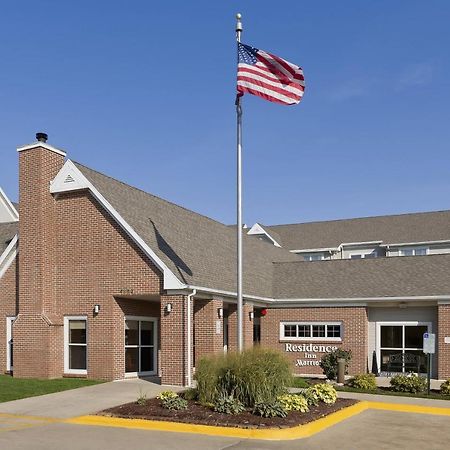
x,y
400,346
140,346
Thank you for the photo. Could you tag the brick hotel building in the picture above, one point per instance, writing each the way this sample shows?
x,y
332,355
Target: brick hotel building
x,y
99,279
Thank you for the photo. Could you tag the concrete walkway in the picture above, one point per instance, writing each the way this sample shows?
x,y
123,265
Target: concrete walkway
x,y
85,400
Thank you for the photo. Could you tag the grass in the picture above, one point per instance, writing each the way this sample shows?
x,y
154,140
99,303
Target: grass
x,y
299,382
15,388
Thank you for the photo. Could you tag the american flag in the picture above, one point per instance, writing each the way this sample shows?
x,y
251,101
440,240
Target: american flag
x,y
268,76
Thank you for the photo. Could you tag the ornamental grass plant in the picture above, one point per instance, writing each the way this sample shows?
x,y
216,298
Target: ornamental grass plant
x,y
255,376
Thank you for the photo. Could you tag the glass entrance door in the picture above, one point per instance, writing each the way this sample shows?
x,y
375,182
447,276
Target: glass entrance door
x,y
401,347
140,346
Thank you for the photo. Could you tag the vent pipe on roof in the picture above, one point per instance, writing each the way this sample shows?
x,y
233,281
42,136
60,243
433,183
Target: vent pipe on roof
x,y
42,137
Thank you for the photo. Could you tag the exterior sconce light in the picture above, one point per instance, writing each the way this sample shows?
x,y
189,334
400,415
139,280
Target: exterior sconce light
x,y
169,308
263,312
220,313
96,309
251,315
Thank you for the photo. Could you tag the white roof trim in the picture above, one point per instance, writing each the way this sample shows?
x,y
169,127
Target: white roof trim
x,y
314,250
70,178
8,256
257,229
41,144
338,248
403,244
348,244
9,207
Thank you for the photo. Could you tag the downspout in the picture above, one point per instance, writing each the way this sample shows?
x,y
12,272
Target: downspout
x,y
189,338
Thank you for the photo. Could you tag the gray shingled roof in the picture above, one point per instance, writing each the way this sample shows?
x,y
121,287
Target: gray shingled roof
x,y
417,227
7,232
198,250
350,278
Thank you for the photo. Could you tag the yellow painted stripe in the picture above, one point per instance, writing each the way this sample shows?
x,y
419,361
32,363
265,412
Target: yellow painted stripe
x,y
24,416
402,407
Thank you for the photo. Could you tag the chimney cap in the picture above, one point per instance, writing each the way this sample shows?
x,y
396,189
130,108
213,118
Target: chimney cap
x,y
42,137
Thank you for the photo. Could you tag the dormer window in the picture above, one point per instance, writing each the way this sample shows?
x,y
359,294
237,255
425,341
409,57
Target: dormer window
x,y
363,255
313,257
413,251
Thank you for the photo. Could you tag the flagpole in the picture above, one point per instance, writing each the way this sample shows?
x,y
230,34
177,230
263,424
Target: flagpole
x,y
240,339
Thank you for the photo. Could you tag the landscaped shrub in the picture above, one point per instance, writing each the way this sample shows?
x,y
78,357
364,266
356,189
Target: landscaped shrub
x,y
228,404
171,400
311,397
366,381
329,362
293,402
410,382
142,399
254,376
299,382
445,387
269,409
190,394
323,392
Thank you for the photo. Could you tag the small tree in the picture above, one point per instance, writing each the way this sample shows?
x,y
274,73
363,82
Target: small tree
x,y
329,362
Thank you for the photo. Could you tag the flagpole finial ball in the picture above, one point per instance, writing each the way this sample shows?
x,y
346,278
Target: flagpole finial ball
x,y
238,16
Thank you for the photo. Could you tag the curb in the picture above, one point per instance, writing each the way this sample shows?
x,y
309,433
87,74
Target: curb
x,y
298,432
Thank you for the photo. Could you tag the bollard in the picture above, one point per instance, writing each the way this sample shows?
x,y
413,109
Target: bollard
x,y
341,371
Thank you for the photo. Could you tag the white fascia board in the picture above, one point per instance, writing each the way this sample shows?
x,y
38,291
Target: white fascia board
x,y
354,244
8,256
9,207
70,178
315,250
406,244
40,144
257,229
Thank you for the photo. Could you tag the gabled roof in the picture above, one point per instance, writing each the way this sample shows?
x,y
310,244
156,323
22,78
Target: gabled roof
x,y
7,233
415,227
198,250
363,278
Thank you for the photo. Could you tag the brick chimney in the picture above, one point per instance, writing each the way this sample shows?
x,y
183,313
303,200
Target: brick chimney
x,y
37,328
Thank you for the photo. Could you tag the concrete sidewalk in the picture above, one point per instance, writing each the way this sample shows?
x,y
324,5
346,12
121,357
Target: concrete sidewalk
x,y
85,400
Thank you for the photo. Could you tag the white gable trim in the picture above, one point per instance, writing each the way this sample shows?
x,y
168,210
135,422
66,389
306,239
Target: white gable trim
x,y
40,144
8,256
6,204
257,229
70,178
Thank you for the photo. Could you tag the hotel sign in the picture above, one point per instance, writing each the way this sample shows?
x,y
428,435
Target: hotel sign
x,y
309,351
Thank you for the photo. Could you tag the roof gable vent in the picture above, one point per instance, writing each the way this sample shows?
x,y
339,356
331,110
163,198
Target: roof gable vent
x,y
69,179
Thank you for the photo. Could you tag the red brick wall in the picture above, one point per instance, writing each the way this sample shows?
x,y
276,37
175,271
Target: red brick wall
x,y
443,349
8,306
355,329
207,340
232,326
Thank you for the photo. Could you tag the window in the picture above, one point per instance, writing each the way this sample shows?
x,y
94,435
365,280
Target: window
x,y
363,255
75,348
319,331
414,251
140,346
313,257
9,343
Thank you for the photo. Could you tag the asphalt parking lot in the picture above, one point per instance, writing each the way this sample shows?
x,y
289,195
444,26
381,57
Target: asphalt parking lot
x,y
372,429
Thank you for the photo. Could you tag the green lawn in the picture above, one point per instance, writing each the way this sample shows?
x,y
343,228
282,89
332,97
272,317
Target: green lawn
x,y
14,388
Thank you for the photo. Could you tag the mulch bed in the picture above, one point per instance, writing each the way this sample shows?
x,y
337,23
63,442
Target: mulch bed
x,y
199,414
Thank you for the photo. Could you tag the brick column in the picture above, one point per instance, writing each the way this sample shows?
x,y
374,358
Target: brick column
x,y
443,349
232,326
173,341
208,327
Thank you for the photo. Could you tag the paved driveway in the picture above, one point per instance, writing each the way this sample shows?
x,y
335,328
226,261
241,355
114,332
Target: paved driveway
x,y
371,429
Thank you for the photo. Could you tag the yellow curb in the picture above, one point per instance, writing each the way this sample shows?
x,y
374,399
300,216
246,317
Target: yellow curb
x,y
24,416
402,407
298,432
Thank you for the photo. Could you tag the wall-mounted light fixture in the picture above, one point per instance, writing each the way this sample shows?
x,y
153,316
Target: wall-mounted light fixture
x,y
251,315
169,308
220,313
96,309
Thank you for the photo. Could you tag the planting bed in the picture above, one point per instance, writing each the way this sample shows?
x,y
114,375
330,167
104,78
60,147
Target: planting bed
x,y
198,414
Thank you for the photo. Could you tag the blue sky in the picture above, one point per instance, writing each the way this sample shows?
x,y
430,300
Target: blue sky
x,y
144,91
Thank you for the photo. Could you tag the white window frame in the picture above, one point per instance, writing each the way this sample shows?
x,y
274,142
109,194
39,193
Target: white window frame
x,y
414,250
155,345
364,255
429,326
311,338
9,336
67,370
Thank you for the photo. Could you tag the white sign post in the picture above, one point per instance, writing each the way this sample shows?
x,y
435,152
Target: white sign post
x,y
429,348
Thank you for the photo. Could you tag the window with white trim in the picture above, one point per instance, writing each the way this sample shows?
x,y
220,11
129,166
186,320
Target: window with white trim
x,y
319,331
75,345
313,257
413,251
363,255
